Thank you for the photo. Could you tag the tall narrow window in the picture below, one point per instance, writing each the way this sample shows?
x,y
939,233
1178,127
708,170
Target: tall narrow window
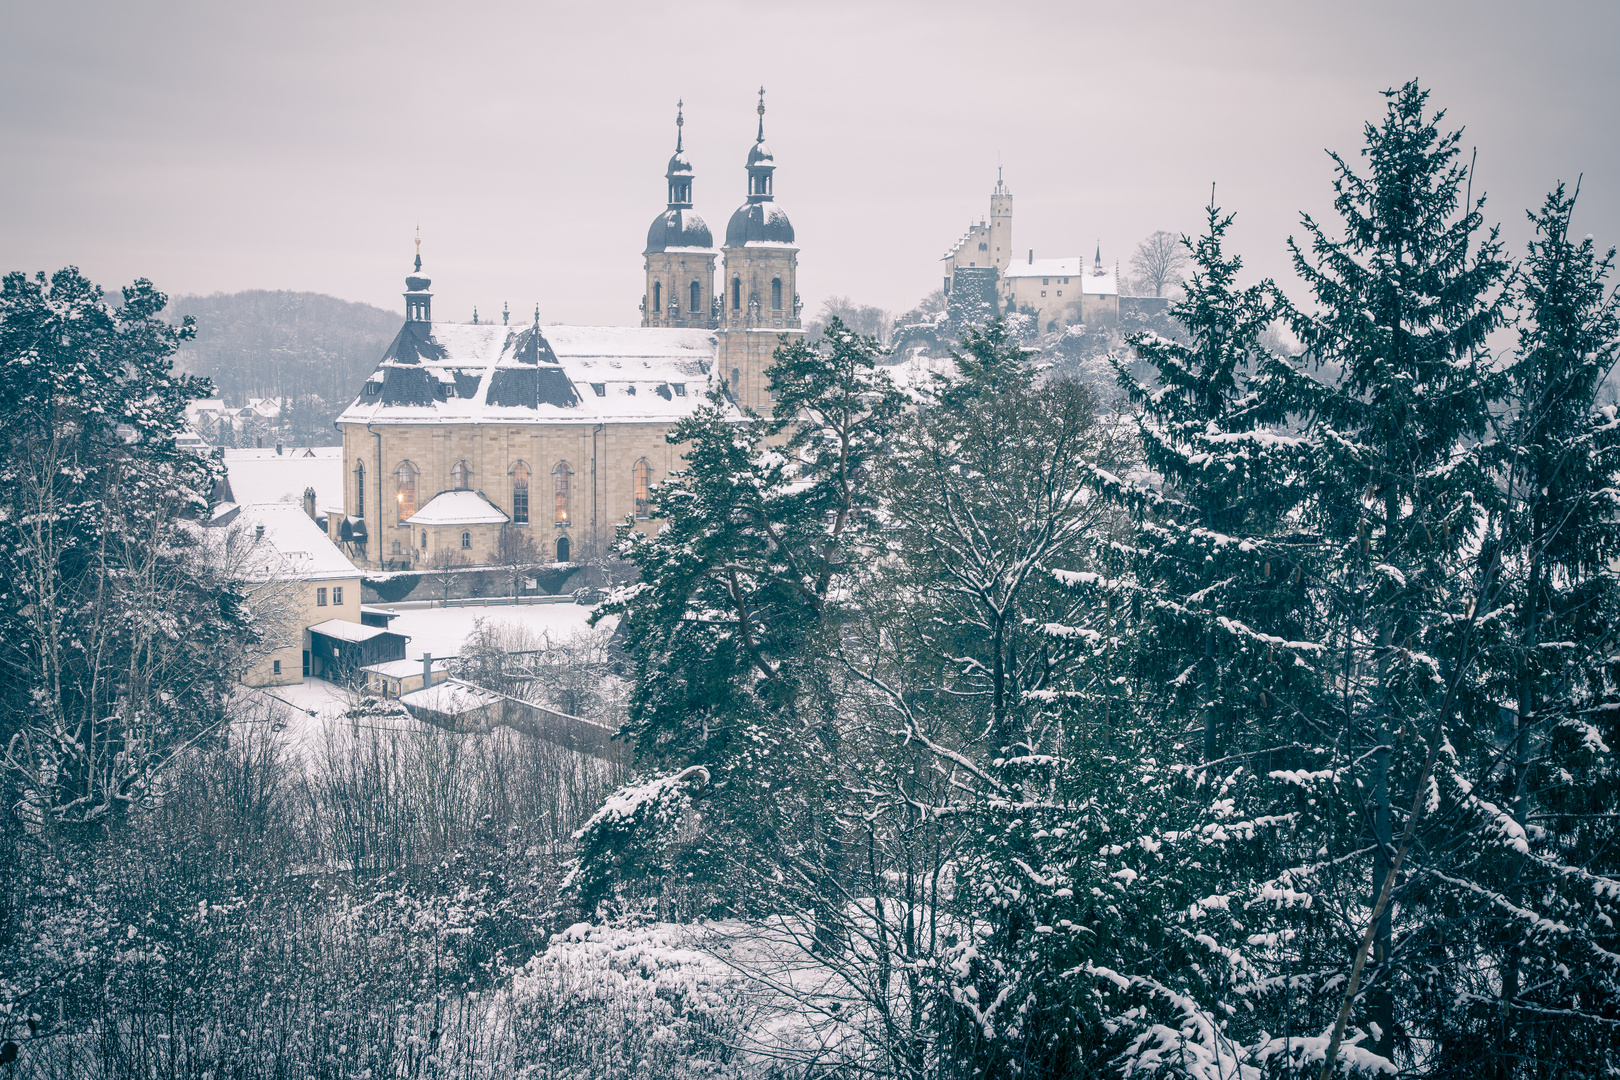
x,y
520,494
360,489
658,296
406,478
736,294
697,298
559,494
642,473
424,539
736,379
461,476
776,294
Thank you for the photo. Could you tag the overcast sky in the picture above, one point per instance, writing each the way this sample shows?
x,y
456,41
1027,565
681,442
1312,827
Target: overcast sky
x,y
224,146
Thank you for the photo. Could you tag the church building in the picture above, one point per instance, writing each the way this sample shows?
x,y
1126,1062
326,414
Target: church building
x,y
557,433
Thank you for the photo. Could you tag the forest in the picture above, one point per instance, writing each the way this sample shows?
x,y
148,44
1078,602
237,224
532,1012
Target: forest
x,y
1255,719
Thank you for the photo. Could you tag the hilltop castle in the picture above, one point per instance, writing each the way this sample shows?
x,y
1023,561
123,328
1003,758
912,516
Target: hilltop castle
x,y
466,429
983,276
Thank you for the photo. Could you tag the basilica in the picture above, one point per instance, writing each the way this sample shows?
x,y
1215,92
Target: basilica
x,y
467,429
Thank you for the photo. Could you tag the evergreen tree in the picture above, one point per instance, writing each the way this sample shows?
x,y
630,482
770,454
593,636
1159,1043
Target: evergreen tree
x,y
1405,301
1545,815
117,635
733,620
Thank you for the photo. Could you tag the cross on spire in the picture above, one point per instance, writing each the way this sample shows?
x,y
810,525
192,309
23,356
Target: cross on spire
x,y
680,122
761,137
419,245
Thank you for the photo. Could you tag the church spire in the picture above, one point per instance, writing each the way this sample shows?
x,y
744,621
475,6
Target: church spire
x,y
418,301
761,136
680,122
760,162
680,172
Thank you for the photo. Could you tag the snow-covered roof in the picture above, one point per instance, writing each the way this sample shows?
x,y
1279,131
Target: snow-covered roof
x,y
449,698
344,630
1094,281
280,543
402,669
263,476
458,508
462,372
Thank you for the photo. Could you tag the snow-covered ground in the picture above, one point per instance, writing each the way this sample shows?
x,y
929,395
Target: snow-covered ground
x,y
441,631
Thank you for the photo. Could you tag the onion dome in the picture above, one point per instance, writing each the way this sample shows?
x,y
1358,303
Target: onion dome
x,y
416,282
759,220
678,226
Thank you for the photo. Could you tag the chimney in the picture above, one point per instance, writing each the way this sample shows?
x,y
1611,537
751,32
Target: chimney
x,y
309,502
427,670
1032,256
278,449
258,533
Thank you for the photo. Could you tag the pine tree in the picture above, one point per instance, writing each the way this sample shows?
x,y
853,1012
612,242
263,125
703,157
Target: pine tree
x,y
117,636
732,620
1405,302
1550,771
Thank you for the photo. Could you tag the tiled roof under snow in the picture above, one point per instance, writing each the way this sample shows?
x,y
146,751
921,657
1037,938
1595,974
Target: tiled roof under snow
x,y
458,508
290,547
461,373
1091,281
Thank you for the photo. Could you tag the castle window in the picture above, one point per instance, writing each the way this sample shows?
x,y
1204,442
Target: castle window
x,y
406,491
1065,281
641,473
461,476
360,489
559,493
736,294
466,540
984,247
520,494
776,294
658,296
562,549
1060,292
1043,292
1045,281
697,297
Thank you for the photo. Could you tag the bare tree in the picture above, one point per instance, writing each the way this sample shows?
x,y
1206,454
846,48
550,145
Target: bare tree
x,y
515,552
1158,261
447,563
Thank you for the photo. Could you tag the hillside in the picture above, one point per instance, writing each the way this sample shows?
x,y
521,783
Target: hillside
x,y
312,349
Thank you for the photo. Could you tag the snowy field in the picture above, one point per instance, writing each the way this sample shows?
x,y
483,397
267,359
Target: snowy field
x,y
441,631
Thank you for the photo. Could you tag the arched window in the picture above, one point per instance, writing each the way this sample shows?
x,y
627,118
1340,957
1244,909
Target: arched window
x,y
736,294
466,540
559,493
461,476
520,494
406,480
697,297
562,549
658,296
641,472
736,379
424,539
776,294
360,489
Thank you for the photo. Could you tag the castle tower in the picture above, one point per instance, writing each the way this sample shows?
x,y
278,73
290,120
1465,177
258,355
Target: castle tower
x,y
1001,209
680,255
759,292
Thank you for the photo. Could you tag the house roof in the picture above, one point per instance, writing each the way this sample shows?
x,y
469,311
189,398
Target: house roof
x,y
263,476
449,698
462,372
458,508
402,669
344,630
279,543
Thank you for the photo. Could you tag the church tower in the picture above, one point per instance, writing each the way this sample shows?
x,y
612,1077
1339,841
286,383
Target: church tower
x,y
759,291
1001,208
680,255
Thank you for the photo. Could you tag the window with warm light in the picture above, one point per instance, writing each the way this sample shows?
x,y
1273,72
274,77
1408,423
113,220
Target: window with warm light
x,y
406,483
520,494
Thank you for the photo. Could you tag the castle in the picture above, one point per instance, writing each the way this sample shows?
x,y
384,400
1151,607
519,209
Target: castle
x,y
983,277
466,432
